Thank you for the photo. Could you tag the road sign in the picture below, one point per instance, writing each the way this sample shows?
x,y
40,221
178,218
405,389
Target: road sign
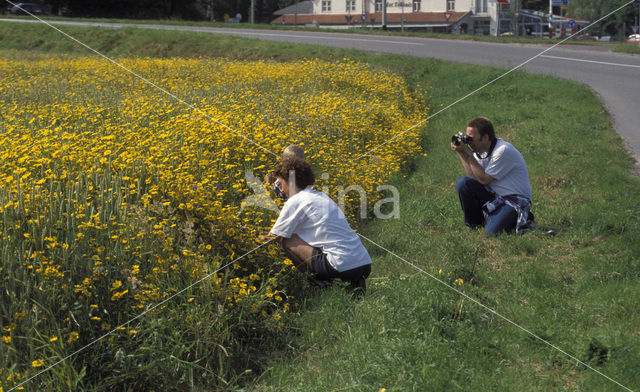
x,y
572,24
363,17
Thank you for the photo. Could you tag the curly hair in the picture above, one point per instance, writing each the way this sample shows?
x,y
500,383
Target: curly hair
x,y
300,169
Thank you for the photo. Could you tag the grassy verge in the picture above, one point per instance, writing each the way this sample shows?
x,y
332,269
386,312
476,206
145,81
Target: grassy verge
x,y
627,47
265,26
578,290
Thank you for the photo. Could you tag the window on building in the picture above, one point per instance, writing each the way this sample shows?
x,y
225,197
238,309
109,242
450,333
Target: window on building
x,y
451,5
481,6
351,5
378,6
326,5
416,5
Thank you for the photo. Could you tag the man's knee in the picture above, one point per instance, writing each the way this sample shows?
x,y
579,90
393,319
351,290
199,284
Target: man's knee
x,y
504,220
286,243
492,230
291,247
463,184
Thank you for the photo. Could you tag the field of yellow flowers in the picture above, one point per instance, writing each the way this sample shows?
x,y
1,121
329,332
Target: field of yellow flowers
x,y
115,195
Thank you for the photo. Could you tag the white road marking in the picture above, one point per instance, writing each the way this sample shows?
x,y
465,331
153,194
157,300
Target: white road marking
x,y
592,61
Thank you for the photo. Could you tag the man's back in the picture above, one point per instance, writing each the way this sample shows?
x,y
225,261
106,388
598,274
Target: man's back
x,y
509,170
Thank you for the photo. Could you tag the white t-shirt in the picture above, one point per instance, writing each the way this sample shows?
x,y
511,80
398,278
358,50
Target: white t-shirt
x,y
319,222
506,165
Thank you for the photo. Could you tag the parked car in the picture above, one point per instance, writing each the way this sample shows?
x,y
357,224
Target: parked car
x,y
633,38
22,8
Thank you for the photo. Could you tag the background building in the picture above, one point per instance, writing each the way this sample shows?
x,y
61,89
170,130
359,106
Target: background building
x,y
453,16
480,17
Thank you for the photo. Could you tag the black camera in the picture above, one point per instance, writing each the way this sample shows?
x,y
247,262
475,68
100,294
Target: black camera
x,y
277,189
461,137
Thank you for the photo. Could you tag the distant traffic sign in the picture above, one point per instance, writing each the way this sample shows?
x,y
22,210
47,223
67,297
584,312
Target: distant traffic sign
x,y
363,17
572,24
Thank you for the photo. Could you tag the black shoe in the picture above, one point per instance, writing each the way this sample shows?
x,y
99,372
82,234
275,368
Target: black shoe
x,y
358,287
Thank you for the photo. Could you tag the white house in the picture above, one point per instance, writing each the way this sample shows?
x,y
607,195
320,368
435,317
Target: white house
x,y
458,16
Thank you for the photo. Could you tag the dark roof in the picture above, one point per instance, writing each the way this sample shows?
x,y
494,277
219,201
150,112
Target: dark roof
x,y
395,18
304,7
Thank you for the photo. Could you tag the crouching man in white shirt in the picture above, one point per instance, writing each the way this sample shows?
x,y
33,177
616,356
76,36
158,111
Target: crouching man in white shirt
x,y
314,232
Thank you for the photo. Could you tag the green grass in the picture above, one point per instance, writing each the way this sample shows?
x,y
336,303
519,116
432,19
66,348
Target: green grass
x,y
627,47
578,290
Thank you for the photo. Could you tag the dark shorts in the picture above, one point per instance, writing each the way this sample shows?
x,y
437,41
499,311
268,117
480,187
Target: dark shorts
x,y
323,270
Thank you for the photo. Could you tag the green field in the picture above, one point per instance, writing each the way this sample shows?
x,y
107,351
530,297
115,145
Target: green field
x,y
578,290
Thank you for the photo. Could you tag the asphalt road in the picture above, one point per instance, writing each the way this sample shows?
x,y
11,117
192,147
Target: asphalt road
x,y
614,77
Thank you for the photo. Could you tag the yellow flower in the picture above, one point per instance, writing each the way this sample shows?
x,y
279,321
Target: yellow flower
x,y
6,339
116,285
117,296
459,281
73,336
37,363
53,339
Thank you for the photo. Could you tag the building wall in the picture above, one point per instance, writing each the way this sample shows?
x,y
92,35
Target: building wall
x,y
485,12
393,6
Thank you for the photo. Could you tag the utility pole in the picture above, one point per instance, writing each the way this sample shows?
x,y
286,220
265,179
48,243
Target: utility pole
x,y
384,14
402,20
550,18
517,15
253,6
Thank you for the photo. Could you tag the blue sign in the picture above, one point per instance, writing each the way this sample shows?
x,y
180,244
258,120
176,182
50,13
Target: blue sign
x,y
572,24
560,3
363,17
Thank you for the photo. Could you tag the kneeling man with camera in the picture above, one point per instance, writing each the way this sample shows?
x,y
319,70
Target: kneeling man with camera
x,y
496,192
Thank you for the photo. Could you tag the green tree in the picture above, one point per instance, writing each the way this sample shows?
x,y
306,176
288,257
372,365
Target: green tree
x,y
593,10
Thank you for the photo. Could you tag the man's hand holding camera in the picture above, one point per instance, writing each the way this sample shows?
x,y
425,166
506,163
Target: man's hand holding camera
x,y
465,144
459,143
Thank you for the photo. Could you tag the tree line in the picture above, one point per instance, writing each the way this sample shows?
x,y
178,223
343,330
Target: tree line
x,y
619,24
212,10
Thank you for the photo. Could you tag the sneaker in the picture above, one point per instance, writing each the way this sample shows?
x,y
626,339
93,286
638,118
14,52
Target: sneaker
x,y
358,287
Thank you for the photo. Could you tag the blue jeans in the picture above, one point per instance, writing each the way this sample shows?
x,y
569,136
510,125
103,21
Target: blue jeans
x,y
473,195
